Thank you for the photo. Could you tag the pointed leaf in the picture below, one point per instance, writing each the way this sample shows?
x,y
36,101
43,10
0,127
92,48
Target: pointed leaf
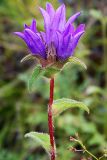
x,y
28,57
76,60
63,104
41,139
38,71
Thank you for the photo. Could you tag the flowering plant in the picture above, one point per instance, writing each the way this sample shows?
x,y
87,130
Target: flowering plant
x,y
52,49
59,40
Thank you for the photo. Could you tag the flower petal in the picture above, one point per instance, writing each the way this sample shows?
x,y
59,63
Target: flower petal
x,y
43,36
72,18
47,23
55,40
60,40
20,34
69,30
80,28
62,53
68,46
74,42
50,10
36,42
67,40
29,43
26,26
33,26
59,19
60,49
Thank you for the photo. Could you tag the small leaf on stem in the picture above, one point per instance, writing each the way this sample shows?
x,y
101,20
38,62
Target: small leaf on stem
x,y
63,104
41,138
38,71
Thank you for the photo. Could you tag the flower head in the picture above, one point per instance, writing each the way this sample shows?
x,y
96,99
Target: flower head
x,y
59,39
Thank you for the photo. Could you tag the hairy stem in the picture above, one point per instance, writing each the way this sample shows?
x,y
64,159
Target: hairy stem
x,y
50,119
91,154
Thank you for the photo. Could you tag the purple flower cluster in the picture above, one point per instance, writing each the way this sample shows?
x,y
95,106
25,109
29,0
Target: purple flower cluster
x,y
59,39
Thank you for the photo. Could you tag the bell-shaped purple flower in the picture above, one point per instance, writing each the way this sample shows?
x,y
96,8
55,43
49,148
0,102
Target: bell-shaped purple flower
x,y
59,39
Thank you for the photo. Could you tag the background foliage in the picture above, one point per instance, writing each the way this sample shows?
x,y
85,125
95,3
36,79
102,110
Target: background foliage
x,y
21,111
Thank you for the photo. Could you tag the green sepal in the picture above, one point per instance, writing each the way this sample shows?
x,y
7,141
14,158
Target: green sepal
x,y
26,58
63,104
77,61
51,71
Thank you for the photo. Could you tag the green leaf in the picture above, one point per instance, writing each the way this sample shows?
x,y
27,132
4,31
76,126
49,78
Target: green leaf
x,y
41,139
94,90
28,57
77,61
38,71
96,14
8,89
63,104
97,139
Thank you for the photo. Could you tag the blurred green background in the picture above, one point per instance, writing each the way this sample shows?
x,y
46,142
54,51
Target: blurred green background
x,y
21,111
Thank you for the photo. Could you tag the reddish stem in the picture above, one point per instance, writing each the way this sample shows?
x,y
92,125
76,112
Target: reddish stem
x,y
50,119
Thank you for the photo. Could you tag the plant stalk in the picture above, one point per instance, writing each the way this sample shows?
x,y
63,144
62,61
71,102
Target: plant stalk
x,y
50,120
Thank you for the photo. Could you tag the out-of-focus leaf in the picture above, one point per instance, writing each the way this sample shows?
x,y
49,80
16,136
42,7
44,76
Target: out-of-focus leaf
x,y
40,138
7,90
96,14
94,90
77,61
63,104
97,139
